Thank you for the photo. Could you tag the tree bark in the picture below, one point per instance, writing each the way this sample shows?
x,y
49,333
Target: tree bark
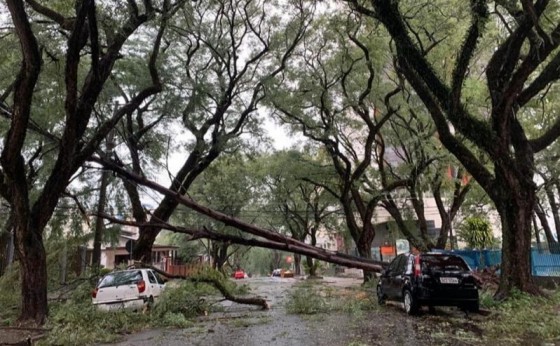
x,y
297,264
220,255
33,263
516,209
312,265
364,247
537,231
554,208
99,226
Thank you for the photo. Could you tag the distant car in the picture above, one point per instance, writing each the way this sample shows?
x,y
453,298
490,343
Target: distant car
x,y
283,273
287,274
429,279
128,289
239,274
276,272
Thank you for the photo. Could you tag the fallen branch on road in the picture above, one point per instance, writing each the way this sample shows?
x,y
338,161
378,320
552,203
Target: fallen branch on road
x,y
217,282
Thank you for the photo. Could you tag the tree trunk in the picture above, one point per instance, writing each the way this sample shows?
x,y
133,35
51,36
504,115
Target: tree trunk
x,y
395,212
536,230
444,233
99,226
551,242
554,208
33,272
143,249
557,184
516,209
297,264
311,265
418,206
219,255
364,248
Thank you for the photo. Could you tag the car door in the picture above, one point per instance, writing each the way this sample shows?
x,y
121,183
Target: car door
x,y
388,276
397,276
155,286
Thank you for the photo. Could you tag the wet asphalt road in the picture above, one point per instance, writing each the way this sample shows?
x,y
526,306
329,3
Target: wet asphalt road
x,y
246,325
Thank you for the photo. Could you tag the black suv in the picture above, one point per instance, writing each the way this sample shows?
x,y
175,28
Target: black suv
x,y
432,279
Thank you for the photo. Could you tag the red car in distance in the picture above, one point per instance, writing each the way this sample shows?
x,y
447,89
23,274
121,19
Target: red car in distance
x,y
239,274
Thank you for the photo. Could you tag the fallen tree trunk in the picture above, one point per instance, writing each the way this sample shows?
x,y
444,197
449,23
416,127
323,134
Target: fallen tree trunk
x,y
272,240
217,283
287,244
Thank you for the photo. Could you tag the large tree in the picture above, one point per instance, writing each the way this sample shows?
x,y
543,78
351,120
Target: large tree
x,y
89,56
221,57
294,204
518,67
337,99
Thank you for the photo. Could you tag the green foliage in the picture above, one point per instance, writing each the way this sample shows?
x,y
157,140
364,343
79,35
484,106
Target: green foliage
x,y
257,261
182,299
314,298
476,232
523,318
79,322
10,296
305,301
486,300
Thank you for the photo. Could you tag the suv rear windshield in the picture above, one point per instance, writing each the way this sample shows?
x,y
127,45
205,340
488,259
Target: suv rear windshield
x,y
443,262
121,278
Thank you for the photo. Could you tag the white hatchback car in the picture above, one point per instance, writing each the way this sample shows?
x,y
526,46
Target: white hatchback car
x,y
128,289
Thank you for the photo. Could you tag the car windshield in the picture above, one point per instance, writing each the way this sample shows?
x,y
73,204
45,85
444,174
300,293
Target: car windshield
x,y
121,278
443,262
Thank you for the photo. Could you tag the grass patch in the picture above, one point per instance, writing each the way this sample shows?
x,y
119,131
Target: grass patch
x,y
524,318
520,320
314,298
77,321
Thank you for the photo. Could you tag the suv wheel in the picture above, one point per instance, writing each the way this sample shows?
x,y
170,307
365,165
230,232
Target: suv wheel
x,y
410,303
380,296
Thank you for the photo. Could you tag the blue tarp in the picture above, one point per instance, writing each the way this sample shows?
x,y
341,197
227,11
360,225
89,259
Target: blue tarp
x,y
545,264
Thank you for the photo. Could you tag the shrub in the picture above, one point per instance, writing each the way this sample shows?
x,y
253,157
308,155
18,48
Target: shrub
x,y
73,323
185,298
306,300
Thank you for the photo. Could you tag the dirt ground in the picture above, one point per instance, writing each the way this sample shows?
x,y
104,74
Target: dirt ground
x,y
389,325
20,336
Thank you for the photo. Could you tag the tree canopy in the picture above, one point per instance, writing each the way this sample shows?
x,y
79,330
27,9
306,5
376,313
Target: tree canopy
x,y
398,100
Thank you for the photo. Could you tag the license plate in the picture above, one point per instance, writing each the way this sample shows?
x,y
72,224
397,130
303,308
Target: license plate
x,y
115,306
449,280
